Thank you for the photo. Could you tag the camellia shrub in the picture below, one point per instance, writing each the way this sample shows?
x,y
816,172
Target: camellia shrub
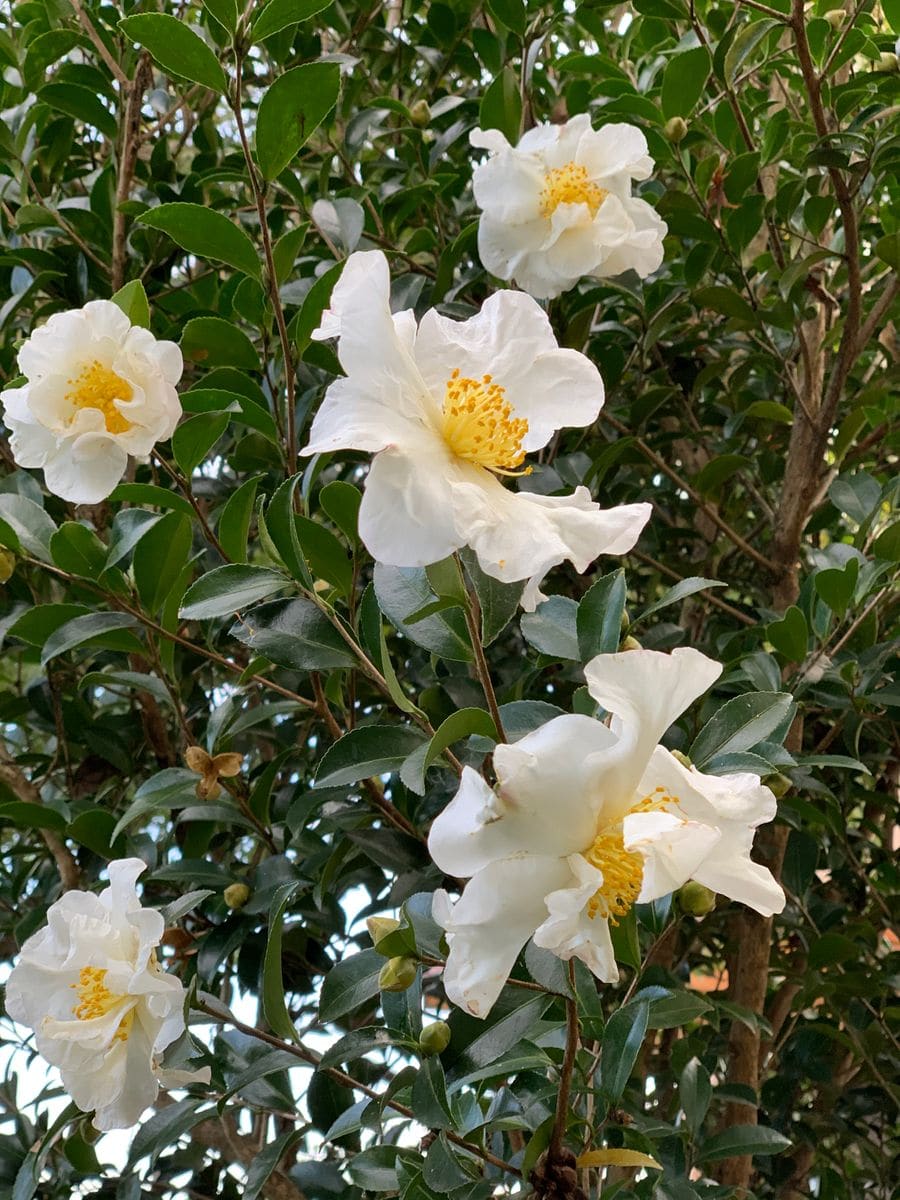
x,y
448,598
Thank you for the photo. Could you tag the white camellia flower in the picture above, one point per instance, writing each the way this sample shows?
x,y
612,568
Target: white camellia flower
x,y
585,821
450,407
101,1007
99,389
558,205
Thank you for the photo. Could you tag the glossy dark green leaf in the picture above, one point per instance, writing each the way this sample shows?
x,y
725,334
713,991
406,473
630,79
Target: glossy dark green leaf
x,y
206,233
294,634
291,110
176,48
227,590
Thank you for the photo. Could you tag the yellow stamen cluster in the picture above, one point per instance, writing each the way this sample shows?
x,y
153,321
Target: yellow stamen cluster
x,y
479,425
570,185
623,870
97,387
96,1000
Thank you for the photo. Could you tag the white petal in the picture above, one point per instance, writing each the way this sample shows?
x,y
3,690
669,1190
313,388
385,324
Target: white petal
x,y
85,469
62,337
508,186
106,320
511,340
548,795
713,798
732,872
569,932
367,413
672,848
405,519
615,149
488,139
487,927
123,875
172,1078
630,235
30,442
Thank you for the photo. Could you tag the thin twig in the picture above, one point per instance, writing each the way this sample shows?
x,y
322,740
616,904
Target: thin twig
x,y
557,1137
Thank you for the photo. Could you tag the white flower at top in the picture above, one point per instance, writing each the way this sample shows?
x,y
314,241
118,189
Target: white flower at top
x,y
558,205
101,1007
587,820
449,408
98,389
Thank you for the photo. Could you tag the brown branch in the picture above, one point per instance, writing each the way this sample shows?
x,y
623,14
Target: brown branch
x,y
90,29
557,1137
14,778
128,152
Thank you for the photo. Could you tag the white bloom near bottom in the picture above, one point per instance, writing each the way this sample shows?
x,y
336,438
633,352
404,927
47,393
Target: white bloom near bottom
x,y
586,821
101,1007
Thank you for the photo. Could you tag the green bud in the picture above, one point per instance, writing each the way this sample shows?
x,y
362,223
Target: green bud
x,y
625,621
779,785
236,895
7,564
398,974
675,129
835,17
420,114
380,927
696,899
630,643
682,758
888,63
435,1038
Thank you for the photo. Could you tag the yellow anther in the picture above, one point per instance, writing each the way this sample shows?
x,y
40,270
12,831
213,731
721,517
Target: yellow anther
x,y
478,425
622,870
570,185
96,1000
98,387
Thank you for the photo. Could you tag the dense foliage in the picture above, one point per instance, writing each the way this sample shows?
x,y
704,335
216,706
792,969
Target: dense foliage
x,y
221,598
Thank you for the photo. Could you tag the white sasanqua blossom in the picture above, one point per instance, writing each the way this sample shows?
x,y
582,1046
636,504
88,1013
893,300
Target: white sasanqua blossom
x,y
98,390
587,820
101,1006
448,408
558,205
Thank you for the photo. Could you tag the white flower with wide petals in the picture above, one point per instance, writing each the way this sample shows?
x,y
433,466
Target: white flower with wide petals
x,y
587,820
101,1007
98,389
558,205
448,408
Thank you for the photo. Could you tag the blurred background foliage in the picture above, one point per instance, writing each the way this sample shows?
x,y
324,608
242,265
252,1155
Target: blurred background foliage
x,y
751,396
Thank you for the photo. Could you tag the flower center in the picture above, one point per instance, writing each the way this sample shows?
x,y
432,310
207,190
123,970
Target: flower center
x,y
97,387
479,426
570,185
96,1000
623,870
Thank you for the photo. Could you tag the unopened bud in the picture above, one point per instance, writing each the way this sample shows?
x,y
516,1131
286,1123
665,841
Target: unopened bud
x,y
675,129
7,564
380,927
625,620
398,974
236,895
630,643
682,758
888,63
435,1038
696,899
779,785
835,17
420,114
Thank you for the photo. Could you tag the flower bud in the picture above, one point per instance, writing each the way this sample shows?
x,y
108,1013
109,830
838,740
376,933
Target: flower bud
x,y
236,895
696,899
675,129
888,63
835,17
420,114
7,564
398,974
682,758
435,1038
630,643
624,621
779,785
380,927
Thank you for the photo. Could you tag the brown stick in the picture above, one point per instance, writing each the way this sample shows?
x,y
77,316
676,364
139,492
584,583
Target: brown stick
x,y
12,775
128,152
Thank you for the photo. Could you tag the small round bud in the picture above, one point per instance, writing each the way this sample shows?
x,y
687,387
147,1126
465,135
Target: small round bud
x,y
696,899
779,785
380,927
435,1038
398,974
236,895
630,643
835,17
888,63
625,620
7,564
682,758
420,114
675,129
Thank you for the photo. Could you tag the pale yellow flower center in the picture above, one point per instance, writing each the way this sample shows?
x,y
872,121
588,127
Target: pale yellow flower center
x,y
570,185
623,870
97,387
478,425
96,1000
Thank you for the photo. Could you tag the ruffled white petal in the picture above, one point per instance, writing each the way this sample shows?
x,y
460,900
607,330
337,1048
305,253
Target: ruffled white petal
x,y
569,932
85,470
405,519
672,847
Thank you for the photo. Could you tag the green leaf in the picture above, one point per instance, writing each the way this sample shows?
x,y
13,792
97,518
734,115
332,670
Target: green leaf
x,y
888,250
887,544
273,997
214,342
350,983
291,110
283,530
489,1047
24,523
510,13
132,299
285,251
226,590
295,634
150,493
317,298
499,602
206,233
680,1008
687,587
598,621
364,752
164,1128
673,9
279,14
695,1094
740,724
82,104
129,526
622,1041
501,106
35,625
268,1158
402,591
725,301
109,629
743,1139
790,635
176,48
195,437
745,42
224,11
770,410
160,557
235,518
341,501
459,725
78,550
429,1096
684,81
552,628
168,789
32,816
326,556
